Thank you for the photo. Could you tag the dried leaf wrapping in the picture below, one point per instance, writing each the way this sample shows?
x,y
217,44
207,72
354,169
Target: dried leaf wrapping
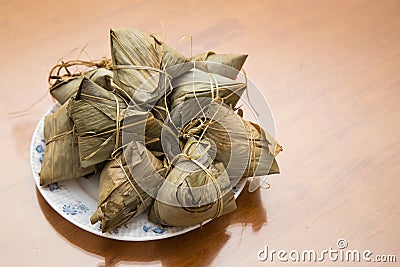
x,y
61,155
100,118
229,64
200,84
126,186
170,58
243,147
65,89
137,59
192,194
141,63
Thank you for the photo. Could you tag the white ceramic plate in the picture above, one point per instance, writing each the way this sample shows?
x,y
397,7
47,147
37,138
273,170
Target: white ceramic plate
x,y
76,200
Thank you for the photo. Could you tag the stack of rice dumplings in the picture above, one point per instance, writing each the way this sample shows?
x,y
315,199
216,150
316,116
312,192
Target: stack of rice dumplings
x,y
161,129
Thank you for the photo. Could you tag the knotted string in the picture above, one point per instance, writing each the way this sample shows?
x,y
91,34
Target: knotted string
x,y
55,72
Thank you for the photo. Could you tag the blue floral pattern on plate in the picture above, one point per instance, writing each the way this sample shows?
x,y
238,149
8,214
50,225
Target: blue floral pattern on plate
x,y
54,186
75,209
155,229
39,149
69,210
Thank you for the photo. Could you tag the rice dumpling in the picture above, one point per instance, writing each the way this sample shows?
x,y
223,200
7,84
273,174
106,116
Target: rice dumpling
x,y
100,117
254,149
127,184
61,155
194,191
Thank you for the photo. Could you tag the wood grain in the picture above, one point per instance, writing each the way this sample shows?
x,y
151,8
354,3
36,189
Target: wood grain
x,y
330,71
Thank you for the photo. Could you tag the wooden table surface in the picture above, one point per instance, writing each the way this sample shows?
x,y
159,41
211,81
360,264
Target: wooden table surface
x,y
331,73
